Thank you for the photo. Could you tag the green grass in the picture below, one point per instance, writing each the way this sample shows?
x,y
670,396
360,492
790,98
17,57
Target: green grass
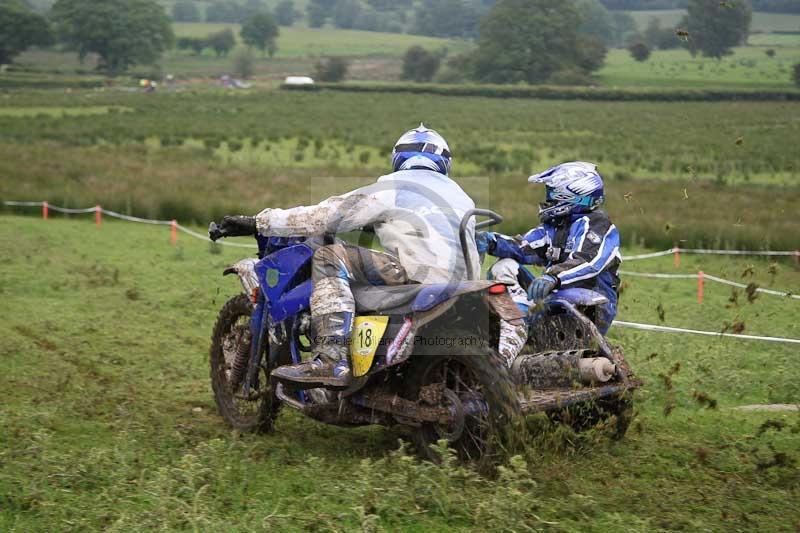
x,y
195,156
108,420
762,22
60,112
300,41
748,68
373,55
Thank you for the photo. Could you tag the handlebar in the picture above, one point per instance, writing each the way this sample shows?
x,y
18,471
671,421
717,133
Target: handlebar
x,y
462,233
215,232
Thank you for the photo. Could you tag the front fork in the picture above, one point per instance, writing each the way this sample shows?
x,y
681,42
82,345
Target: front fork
x,y
260,326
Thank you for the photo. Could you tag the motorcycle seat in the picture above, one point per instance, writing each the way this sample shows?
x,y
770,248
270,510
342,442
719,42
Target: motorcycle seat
x,y
385,300
404,299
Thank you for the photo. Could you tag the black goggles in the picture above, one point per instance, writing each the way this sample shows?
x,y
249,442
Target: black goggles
x,y
426,148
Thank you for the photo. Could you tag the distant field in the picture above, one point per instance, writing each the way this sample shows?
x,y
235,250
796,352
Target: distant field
x,y
193,154
300,41
748,67
762,22
373,55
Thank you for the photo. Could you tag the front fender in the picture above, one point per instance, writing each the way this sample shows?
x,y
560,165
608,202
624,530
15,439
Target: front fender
x,y
246,270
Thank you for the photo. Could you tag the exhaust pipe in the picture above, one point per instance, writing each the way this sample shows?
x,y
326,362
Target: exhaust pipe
x,y
562,369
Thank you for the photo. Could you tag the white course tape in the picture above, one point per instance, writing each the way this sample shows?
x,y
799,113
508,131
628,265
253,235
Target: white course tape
x,y
743,286
739,252
136,219
72,211
651,327
708,277
24,204
795,253
647,256
787,253
660,276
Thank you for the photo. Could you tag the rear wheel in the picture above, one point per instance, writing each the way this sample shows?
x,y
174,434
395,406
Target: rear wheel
x,y
471,382
231,341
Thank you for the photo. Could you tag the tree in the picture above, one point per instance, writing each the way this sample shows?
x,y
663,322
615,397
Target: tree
x,y
21,29
122,33
185,11
591,53
195,44
285,13
222,42
662,38
318,12
624,28
596,21
448,18
419,64
250,8
224,12
527,40
332,69
244,63
639,51
261,31
345,13
715,27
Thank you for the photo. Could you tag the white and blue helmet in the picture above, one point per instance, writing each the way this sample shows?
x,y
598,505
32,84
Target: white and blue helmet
x,y
421,148
573,187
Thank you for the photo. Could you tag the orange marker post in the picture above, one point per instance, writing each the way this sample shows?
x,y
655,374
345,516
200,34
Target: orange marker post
x,y
677,254
98,215
173,233
797,256
45,210
700,286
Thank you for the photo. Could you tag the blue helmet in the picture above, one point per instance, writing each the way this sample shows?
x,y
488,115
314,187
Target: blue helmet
x,y
573,187
421,148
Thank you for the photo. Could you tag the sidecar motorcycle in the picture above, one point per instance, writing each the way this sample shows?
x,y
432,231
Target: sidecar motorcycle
x,y
422,355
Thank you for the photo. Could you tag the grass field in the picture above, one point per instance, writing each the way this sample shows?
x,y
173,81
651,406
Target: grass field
x,y
108,420
300,41
762,22
373,55
195,155
748,67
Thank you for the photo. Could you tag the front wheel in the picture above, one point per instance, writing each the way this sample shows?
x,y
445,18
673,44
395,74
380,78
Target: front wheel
x,y
231,342
472,383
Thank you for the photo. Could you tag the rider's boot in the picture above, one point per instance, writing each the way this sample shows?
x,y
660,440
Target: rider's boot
x,y
329,368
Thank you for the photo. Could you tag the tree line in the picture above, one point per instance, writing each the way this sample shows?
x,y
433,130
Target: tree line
x,y
518,41
770,6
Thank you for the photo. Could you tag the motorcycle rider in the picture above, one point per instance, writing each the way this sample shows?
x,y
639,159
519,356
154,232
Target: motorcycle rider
x,y
415,213
576,242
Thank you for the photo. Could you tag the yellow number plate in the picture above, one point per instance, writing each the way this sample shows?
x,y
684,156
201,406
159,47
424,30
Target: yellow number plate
x,y
367,334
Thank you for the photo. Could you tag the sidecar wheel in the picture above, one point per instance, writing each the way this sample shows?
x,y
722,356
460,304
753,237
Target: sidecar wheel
x,y
231,339
476,387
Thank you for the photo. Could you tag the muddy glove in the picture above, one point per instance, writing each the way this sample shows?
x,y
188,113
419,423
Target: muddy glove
x,y
233,226
541,287
486,242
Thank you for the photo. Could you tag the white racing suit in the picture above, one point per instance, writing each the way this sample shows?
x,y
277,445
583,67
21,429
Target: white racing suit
x,y
414,213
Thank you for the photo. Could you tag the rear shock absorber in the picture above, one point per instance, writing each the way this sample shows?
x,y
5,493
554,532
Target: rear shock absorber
x,y
241,359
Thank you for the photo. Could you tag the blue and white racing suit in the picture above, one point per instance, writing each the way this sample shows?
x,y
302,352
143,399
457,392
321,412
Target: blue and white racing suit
x,y
581,251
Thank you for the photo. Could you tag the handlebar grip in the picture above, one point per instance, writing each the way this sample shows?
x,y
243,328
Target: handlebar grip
x,y
214,232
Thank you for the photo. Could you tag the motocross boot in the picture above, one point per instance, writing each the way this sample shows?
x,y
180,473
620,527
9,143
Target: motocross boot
x,y
329,368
